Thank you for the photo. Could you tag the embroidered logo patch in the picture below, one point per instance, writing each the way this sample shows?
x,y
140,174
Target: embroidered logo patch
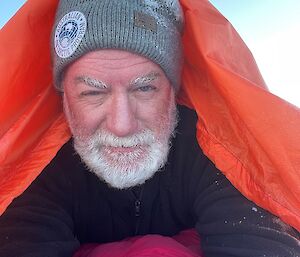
x,y
69,33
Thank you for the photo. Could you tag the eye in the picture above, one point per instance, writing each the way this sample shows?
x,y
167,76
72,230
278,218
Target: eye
x,y
91,93
146,88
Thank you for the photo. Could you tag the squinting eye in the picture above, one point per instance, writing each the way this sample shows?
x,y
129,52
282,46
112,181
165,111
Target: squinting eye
x,y
90,93
146,88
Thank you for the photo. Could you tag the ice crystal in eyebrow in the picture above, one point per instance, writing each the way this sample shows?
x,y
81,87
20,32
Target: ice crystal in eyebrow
x,y
146,79
92,82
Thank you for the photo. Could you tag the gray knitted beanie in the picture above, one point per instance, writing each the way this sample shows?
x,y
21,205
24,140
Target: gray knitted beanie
x,y
151,28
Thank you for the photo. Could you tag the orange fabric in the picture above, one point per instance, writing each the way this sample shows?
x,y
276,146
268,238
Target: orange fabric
x,y
32,125
250,134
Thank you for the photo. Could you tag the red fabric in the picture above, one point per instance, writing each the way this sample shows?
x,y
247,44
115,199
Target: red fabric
x,y
32,126
251,135
185,244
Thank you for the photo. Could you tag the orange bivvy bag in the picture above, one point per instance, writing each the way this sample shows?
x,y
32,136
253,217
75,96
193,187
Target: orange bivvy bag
x,y
251,135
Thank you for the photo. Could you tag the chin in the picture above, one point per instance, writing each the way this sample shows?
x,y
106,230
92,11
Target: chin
x,y
124,170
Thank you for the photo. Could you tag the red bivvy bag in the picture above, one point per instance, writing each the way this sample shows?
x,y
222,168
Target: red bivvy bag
x,y
251,135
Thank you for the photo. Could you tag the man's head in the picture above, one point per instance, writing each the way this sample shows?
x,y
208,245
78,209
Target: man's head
x,y
151,28
121,111
119,76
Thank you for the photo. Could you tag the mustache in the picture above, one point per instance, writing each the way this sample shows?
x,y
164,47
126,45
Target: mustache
x,y
105,138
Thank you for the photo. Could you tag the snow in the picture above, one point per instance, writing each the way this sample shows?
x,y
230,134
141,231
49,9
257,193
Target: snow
x,y
172,5
254,209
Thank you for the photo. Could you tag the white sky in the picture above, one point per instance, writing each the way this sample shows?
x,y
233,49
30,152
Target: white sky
x,y
270,28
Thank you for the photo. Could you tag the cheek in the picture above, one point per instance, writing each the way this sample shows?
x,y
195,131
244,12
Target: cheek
x,y
157,116
82,120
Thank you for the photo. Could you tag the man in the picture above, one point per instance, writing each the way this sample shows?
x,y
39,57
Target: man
x,y
118,64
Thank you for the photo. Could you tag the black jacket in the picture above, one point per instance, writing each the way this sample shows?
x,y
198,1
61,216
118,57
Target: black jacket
x,y
67,206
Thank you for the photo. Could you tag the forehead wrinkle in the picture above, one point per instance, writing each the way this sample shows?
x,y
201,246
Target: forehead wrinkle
x,y
145,78
92,82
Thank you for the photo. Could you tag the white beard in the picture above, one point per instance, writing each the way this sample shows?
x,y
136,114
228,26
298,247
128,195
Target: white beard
x,y
123,169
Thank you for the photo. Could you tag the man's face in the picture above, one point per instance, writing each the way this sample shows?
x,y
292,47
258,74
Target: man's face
x,y
121,111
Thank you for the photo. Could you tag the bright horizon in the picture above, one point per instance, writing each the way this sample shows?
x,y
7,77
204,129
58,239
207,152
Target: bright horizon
x,y
270,28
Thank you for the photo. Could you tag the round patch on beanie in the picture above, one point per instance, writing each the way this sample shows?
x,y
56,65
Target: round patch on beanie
x,y
69,33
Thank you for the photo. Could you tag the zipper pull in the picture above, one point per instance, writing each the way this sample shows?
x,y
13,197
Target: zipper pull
x,y
137,205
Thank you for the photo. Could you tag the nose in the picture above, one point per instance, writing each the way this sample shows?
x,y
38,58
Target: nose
x,y
121,119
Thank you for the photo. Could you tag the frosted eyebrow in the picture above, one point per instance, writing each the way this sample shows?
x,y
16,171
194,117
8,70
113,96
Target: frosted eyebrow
x,y
145,79
90,82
